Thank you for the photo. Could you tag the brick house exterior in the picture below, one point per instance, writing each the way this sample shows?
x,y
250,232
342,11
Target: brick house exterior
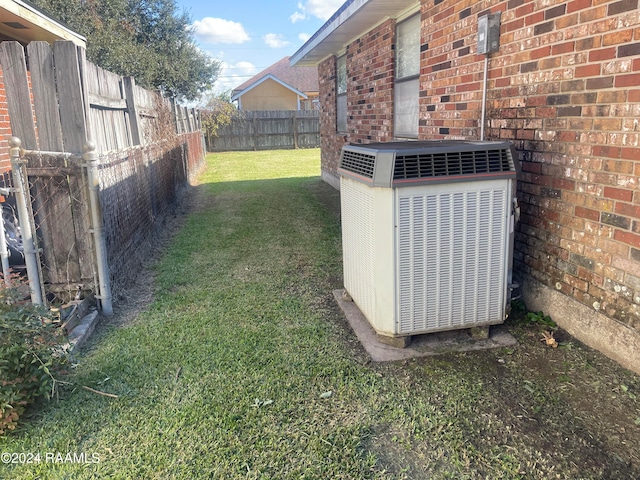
x,y
564,87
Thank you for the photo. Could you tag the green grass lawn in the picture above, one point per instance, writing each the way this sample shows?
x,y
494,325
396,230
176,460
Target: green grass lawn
x,y
243,367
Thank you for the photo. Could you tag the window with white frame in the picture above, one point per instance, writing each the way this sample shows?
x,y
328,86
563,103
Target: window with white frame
x,y
341,94
407,80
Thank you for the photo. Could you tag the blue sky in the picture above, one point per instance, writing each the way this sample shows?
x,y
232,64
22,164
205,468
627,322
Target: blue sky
x,y
249,35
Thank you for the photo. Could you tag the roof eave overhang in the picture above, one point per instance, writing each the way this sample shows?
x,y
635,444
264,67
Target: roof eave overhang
x,y
353,19
239,93
35,24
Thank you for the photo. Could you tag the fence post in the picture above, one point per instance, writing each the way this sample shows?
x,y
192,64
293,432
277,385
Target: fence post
x,y
91,158
294,121
188,119
30,253
183,124
254,127
129,84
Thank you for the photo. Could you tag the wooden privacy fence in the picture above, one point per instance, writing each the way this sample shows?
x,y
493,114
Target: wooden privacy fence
x,y
268,130
147,149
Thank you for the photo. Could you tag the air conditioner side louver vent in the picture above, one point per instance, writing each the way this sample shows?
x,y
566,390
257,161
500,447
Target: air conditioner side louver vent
x,y
425,165
358,163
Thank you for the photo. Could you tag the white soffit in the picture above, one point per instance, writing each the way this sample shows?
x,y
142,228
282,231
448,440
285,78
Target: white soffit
x,y
354,18
25,22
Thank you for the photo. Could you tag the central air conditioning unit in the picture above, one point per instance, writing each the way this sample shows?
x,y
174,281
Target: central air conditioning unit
x,y
427,233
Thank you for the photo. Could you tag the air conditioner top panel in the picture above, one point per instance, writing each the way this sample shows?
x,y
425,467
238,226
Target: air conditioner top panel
x,y
394,164
413,146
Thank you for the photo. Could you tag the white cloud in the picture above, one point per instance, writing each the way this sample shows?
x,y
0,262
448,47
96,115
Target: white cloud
x,y
233,75
275,40
218,30
304,36
323,9
297,16
242,68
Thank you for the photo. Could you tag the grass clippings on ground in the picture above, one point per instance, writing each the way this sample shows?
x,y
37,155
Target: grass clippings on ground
x,y
241,366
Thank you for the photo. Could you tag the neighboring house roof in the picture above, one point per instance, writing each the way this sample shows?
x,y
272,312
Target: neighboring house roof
x,y
264,79
352,19
302,79
25,22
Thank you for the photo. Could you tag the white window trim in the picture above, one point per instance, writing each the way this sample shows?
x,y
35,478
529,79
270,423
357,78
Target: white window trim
x,y
341,95
406,79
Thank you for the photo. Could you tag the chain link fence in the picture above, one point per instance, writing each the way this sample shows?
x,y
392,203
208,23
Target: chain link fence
x,y
139,188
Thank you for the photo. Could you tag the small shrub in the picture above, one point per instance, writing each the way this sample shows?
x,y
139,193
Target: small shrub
x,y
31,354
540,318
521,313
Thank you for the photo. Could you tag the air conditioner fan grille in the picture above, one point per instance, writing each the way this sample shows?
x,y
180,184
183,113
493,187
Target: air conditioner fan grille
x,y
359,163
443,164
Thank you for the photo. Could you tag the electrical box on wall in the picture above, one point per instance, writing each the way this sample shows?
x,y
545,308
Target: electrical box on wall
x,y
489,33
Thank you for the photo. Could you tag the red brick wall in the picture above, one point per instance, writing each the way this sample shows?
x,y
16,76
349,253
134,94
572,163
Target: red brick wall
x,y
565,89
570,103
330,141
451,73
370,70
370,74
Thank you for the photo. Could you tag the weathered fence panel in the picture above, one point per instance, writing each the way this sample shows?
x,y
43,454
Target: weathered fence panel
x,y
59,216
108,110
148,149
16,81
69,256
69,64
268,130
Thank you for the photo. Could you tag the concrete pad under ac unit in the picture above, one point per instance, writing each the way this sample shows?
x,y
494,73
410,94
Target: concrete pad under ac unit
x,y
421,345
